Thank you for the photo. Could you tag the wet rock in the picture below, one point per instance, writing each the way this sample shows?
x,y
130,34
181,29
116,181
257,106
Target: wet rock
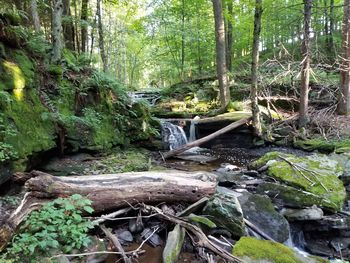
x,y
197,158
124,236
136,225
316,174
225,211
152,238
174,244
294,197
252,250
312,213
95,246
260,211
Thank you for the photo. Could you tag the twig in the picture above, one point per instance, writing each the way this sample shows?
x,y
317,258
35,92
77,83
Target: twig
x,y
116,243
98,252
110,216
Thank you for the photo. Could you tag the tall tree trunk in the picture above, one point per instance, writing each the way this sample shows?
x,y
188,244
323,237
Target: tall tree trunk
x,y
331,30
344,98
35,15
183,40
100,35
84,17
221,53
229,35
56,30
68,26
305,73
255,65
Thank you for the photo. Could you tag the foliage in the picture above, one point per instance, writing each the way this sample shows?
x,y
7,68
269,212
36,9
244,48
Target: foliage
x,y
58,226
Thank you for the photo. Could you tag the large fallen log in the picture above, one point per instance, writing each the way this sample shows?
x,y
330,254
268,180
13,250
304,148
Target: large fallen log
x,y
206,138
110,191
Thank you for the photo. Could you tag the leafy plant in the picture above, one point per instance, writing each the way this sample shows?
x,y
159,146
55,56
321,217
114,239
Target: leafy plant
x,y
58,226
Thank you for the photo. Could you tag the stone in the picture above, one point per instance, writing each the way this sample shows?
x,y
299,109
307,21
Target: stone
x,y
225,211
253,250
316,174
294,197
124,236
174,244
311,213
259,210
96,245
152,238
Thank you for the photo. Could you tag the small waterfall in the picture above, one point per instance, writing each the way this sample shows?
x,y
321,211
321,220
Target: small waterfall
x,y
193,136
173,136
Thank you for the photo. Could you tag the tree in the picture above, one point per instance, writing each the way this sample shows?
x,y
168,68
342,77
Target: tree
x,y
84,17
255,65
221,53
68,27
305,71
35,15
56,30
100,35
344,100
229,35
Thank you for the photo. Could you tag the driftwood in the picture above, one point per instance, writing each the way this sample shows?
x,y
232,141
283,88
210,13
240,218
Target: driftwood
x,y
206,138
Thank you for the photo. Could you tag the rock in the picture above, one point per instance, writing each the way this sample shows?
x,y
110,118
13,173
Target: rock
x,y
294,197
124,236
312,213
174,244
95,246
252,250
316,174
225,211
152,238
260,211
199,158
135,225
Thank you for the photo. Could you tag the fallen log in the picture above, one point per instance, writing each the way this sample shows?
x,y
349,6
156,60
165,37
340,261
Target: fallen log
x,y
111,191
206,138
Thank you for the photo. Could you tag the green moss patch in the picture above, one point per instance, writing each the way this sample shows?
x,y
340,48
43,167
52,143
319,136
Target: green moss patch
x,y
316,174
320,144
254,250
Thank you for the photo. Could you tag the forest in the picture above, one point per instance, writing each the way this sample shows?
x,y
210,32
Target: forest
x,y
175,131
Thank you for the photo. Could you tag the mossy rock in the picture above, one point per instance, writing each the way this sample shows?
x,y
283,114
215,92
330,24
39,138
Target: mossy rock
x,y
316,174
225,211
252,250
320,144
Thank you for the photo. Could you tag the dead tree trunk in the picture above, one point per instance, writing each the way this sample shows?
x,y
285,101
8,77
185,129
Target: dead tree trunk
x,y
221,53
56,30
305,71
344,96
206,138
255,65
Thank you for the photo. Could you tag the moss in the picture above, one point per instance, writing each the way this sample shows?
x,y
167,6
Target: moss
x,y
55,71
254,250
322,145
316,174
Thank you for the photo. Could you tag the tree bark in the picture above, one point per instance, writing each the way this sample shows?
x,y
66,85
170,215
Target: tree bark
x,y
206,138
221,53
68,26
344,96
229,35
255,66
100,35
84,18
35,15
56,30
305,72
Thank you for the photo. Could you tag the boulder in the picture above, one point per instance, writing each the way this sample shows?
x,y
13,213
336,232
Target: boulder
x,y
225,211
316,174
252,250
259,210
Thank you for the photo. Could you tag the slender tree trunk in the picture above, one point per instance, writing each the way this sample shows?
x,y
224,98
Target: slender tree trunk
x,y
344,98
84,17
221,53
229,35
76,35
93,34
35,15
255,66
183,40
68,27
331,29
56,30
100,35
305,73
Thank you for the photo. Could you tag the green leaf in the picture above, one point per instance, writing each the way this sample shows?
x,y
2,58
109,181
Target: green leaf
x,y
201,219
88,209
